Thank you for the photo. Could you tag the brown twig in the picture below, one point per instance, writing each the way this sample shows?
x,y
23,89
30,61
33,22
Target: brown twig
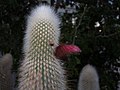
x,y
107,36
76,28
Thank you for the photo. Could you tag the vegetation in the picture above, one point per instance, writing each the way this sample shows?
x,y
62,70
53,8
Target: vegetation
x,y
96,31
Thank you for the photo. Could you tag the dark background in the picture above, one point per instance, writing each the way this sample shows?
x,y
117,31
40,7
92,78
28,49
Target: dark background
x,y
100,45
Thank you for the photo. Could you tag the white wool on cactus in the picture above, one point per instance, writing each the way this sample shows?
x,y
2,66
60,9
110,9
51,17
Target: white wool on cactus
x,y
88,79
40,69
43,18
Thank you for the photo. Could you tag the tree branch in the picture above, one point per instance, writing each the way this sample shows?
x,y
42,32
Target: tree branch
x,y
107,36
76,28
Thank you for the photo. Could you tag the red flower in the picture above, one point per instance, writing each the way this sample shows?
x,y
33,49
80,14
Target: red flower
x,y
63,50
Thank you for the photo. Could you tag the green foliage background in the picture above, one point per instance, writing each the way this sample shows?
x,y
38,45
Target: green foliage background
x,y
101,49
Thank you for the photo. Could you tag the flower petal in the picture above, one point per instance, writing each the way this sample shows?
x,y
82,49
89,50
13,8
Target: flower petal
x,y
63,50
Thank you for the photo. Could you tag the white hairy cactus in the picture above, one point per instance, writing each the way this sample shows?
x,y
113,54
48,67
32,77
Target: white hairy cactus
x,y
88,79
40,69
5,72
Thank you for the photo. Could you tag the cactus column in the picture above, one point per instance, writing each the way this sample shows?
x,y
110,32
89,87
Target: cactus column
x,y
40,70
5,72
88,79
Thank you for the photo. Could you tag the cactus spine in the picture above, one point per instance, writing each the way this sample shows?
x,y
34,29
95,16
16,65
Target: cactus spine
x,y
40,70
88,79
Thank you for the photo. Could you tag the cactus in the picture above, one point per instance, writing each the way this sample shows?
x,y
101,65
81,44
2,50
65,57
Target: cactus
x,y
88,79
40,69
5,72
